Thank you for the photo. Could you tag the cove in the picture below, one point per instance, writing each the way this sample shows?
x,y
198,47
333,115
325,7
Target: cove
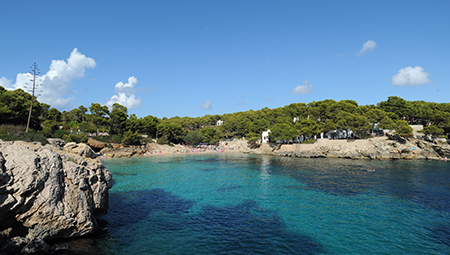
x,y
247,204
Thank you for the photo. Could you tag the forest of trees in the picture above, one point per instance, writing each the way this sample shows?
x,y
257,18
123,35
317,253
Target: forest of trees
x,y
312,119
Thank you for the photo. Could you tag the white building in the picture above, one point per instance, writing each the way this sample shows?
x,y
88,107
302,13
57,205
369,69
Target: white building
x,y
219,123
265,136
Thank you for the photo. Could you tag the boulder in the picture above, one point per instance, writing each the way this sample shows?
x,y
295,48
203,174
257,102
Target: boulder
x,y
46,194
124,153
80,149
96,145
58,143
443,151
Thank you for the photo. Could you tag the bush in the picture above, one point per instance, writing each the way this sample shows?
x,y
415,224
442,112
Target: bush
x,y
115,138
27,137
46,132
403,129
77,138
5,129
60,133
310,141
432,130
74,124
131,138
163,140
194,138
105,139
214,142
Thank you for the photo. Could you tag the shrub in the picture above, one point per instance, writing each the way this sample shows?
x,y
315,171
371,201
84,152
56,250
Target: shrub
x,y
60,133
310,141
6,128
163,140
115,138
77,138
46,132
194,138
27,137
131,138
214,142
403,129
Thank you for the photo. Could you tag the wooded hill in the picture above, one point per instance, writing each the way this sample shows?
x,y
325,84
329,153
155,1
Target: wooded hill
x,y
313,119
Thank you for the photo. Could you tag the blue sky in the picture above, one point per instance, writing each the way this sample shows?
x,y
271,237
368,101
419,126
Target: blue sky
x,y
192,58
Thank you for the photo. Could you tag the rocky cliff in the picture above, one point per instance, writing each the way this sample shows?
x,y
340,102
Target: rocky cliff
x,y
48,192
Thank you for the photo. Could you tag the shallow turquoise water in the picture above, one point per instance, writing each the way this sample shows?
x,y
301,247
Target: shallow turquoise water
x,y
242,204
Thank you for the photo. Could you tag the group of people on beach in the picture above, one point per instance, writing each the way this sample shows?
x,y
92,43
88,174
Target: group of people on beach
x,y
191,149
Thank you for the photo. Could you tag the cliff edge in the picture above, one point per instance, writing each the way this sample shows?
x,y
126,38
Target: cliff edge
x,y
48,192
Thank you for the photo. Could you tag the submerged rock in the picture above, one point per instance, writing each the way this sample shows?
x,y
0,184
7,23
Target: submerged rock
x,y
46,194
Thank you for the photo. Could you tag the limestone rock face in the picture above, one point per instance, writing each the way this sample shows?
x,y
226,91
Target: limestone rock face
x,y
443,151
374,148
46,195
96,145
80,149
58,143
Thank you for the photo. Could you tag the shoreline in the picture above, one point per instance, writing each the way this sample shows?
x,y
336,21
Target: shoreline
x,y
378,148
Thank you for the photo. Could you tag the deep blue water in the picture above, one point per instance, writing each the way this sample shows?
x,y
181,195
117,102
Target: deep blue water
x,y
242,204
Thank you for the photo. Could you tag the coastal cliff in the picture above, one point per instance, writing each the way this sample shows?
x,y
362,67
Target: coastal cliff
x,y
49,192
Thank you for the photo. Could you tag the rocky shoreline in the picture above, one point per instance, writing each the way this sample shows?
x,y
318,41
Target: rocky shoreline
x,y
49,192
375,148
378,148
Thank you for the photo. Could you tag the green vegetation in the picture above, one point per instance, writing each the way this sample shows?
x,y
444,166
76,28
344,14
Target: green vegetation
x,y
284,122
194,138
23,136
432,130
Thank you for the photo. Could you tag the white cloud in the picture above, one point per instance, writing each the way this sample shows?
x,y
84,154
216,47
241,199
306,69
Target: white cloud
x,y
206,105
410,77
7,84
127,87
56,82
303,89
125,94
367,47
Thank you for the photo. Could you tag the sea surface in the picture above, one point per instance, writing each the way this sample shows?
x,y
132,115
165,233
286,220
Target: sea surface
x,y
246,204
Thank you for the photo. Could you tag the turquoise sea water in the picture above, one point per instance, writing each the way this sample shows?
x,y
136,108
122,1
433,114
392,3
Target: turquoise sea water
x,y
243,204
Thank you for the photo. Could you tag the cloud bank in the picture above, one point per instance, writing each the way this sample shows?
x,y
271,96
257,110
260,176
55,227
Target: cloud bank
x,y
56,82
302,89
206,105
366,48
410,77
125,94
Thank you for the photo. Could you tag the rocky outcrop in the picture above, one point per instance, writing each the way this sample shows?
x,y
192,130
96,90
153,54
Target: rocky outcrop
x,y
124,152
96,145
379,148
46,193
56,142
441,150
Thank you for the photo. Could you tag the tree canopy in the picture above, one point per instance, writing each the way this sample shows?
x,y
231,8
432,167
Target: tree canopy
x,y
284,122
